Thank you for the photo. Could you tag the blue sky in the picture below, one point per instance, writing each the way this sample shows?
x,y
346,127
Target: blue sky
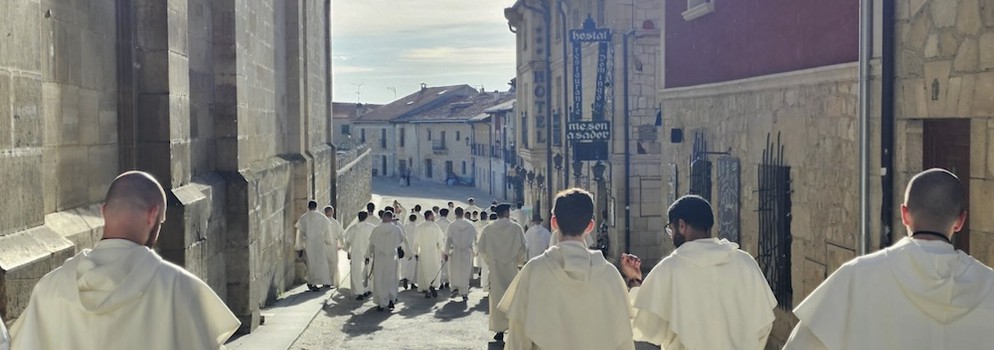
x,y
386,44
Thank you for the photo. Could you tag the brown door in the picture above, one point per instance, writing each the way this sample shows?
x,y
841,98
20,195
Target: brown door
x,y
946,144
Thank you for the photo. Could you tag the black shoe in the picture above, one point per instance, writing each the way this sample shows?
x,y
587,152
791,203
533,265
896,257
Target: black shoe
x,y
313,288
465,298
434,293
406,286
379,308
391,305
454,294
414,286
366,294
358,297
499,337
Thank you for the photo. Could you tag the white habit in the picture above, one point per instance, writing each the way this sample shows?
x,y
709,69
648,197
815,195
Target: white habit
x,y
4,338
537,240
382,253
477,261
443,224
428,242
356,243
408,266
502,246
331,249
707,294
916,294
568,298
373,219
121,295
459,242
520,217
313,230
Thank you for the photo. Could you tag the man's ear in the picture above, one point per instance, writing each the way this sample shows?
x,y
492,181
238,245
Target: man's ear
x,y
905,216
554,223
590,227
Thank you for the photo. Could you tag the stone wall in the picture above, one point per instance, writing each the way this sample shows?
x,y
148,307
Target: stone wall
x,y
945,50
815,114
353,183
196,92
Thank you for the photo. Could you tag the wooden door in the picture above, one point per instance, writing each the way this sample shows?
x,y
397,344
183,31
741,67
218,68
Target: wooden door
x,y
946,144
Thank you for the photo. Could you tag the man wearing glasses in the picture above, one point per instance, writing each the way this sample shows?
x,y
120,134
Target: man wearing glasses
x,y
707,294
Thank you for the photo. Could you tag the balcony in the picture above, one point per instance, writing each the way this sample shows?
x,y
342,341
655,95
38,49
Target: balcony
x,y
438,147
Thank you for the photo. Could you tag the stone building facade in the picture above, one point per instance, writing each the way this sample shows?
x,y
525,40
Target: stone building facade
x,y
343,117
227,103
628,92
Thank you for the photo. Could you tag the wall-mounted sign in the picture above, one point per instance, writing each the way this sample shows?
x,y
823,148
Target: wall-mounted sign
x,y
588,130
589,33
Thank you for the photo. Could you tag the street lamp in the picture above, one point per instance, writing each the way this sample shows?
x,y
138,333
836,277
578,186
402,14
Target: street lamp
x,y
577,171
541,180
531,178
558,160
599,171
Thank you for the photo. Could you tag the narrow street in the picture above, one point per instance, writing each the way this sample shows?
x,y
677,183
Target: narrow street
x,y
417,323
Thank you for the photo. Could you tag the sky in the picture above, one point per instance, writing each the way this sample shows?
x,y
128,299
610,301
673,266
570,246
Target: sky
x,y
379,46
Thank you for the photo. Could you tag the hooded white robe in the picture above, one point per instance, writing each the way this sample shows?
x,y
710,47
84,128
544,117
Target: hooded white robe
x,y
518,216
372,218
707,294
443,223
313,230
121,295
915,294
382,253
331,245
459,242
4,337
356,243
589,239
537,240
477,261
502,246
568,298
408,266
428,242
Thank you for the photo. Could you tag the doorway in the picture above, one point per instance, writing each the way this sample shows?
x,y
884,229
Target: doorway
x,y
946,144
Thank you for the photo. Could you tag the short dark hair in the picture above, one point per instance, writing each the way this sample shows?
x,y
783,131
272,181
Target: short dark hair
x,y
493,216
484,214
574,208
387,215
380,213
459,211
363,215
520,205
370,207
312,205
444,211
694,210
389,208
412,217
429,214
935,198
417,207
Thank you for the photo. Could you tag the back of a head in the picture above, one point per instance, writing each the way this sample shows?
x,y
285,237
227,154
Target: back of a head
x,y
370,207
429,215
935,199
328,210
412,217
484,215
459,212
128,201
387,216
444,212
493,216
362,216
521,205
573,208
694,211
312,205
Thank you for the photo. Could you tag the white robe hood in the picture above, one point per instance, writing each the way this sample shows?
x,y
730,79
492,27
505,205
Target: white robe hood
x,y
570,284
943,299
709,293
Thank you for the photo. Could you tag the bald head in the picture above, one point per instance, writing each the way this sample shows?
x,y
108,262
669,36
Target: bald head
x,y
935,200
134,208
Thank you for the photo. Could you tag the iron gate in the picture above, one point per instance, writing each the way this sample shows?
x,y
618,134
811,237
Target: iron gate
x,y
700,167
774,222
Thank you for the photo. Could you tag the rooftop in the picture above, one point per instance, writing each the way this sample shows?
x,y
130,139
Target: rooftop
x,y
423,99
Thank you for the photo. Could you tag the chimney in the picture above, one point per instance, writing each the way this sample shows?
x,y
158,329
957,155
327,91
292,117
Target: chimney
x,y
424,86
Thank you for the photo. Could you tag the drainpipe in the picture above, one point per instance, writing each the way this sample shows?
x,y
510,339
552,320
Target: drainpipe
x,y
865,51
567,113
887,125
628,153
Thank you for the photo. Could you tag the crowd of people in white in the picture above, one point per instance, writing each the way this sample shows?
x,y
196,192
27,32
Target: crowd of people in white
x,y
546,290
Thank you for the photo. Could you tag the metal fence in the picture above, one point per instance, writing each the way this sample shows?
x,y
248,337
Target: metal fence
x,y
774,212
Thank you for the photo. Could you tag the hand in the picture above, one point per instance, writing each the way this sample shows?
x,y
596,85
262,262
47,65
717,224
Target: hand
x,y
445,257
349,255
631,266
367,261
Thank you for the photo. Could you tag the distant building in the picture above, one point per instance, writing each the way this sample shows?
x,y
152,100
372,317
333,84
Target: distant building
x,y
342,120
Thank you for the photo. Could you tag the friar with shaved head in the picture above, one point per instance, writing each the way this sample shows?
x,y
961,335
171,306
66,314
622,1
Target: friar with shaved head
x,y
920,293
121,294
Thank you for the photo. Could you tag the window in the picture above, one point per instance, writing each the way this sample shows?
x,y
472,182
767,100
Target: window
x,y
524,130
383,138
464,167
428,169
362,135
401,137
442,138
697,9
345,130
384,160
429,134
457,135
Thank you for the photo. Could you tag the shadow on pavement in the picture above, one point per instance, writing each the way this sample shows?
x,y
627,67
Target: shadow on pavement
x,y
366,322
341,304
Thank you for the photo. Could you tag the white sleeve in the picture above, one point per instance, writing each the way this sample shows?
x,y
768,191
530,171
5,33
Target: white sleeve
x,y
4,338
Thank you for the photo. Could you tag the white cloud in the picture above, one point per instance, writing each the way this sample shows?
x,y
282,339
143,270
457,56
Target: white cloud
x,y
344,69
462,56
371,17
